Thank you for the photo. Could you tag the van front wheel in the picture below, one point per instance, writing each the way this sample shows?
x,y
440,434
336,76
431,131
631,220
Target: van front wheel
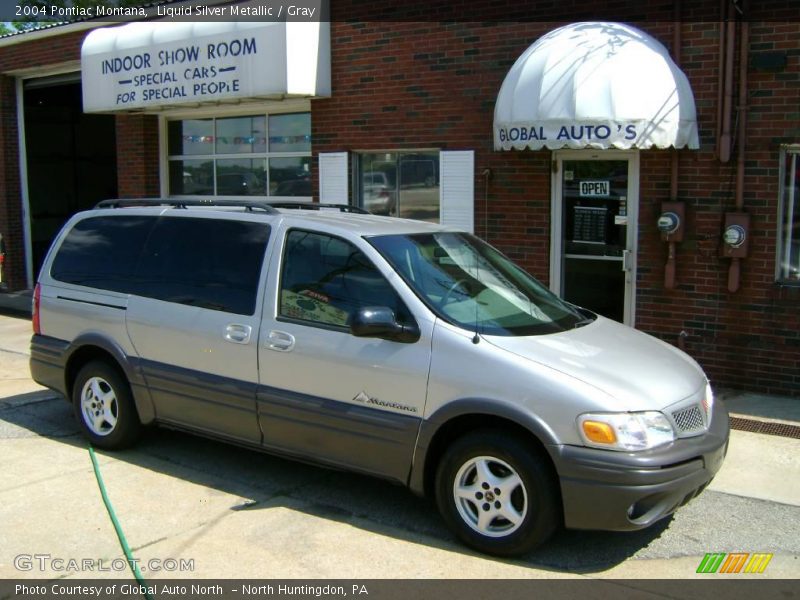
x,y
104,406
495,493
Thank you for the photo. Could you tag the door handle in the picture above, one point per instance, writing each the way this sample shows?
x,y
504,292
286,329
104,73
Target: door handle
x,y
238,334
280,341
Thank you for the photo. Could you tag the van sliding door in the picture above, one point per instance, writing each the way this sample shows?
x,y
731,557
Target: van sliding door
x,y
192,321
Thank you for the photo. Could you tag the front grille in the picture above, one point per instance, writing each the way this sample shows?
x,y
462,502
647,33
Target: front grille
x,y
689,420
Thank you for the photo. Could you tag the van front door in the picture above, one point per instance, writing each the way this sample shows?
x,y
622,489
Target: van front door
x,y
324,393
593,258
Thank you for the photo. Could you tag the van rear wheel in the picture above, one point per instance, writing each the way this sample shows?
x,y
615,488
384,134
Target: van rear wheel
x,y
496,493
104,407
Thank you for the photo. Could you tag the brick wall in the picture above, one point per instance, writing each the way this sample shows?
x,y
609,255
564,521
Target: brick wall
x,y
751,338
10,205
40,52
137,156
137,135
408,85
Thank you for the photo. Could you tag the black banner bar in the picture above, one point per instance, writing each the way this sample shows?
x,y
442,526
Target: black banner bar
x,y
712,588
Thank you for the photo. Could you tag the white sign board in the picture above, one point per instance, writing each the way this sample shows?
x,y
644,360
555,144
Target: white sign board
x,y
153,65
571,134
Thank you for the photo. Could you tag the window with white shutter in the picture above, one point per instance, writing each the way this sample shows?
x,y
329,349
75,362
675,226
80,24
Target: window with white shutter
x,y
427,185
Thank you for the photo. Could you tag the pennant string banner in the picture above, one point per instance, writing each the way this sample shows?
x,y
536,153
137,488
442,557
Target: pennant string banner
x,y
210,139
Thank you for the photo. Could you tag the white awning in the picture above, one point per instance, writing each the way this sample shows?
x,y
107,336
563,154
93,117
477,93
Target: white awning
x,y
150,66
595,85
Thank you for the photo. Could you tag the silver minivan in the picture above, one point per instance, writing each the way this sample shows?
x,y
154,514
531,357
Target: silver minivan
x,y
392,347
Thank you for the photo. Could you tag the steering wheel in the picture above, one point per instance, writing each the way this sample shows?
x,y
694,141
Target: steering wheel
x,y
447,295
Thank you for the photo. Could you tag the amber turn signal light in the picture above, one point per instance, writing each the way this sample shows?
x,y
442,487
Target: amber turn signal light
x,y
599,433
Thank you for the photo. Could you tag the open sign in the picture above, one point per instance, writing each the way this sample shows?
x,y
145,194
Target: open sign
x,y
595,188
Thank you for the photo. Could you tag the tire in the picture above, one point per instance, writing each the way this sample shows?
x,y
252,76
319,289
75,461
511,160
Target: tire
x,y
104,408
497,493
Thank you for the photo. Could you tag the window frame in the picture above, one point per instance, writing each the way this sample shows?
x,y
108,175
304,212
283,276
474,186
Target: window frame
x,y
784,210
254,110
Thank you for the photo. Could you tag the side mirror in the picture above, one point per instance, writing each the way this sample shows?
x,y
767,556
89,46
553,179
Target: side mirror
x,y
380,322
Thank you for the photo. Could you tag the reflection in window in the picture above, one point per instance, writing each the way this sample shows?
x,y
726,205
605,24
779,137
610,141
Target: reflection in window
x,y
102,252
789,234
205,263
253,155
290,176
400,184
239,135
191,177
290,133
192,136
326,280
241,177
470,284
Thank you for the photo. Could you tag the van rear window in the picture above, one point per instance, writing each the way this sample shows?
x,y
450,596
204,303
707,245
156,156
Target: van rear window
x,y
209,263
102,252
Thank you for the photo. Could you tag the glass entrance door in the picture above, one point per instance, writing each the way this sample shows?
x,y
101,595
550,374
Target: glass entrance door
x,y
594,253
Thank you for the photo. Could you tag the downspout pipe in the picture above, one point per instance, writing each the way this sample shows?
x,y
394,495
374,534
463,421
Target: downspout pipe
x,y
727,101
670,267
723,4
734,272
676,57
744,49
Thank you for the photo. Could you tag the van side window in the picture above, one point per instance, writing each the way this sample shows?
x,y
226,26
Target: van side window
x,y
102,252
326,279
210,263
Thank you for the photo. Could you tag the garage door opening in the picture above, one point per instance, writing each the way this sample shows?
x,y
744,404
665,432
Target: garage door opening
x,y
71,157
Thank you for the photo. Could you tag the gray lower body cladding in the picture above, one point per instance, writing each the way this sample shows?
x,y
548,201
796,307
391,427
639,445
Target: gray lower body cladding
x,y
329,432
48,362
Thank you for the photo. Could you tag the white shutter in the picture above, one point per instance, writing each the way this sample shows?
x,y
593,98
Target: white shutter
x,y
457,189
333,178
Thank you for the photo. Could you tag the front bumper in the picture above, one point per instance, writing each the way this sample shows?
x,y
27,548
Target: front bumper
x,y
618,491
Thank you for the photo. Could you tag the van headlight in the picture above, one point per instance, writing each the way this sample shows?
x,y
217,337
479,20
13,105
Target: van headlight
x,y
708,402
625,431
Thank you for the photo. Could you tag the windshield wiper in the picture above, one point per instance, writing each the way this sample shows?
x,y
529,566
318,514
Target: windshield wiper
x,y
588,316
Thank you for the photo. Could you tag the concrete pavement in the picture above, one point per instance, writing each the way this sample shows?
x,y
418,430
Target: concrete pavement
x,y
236,513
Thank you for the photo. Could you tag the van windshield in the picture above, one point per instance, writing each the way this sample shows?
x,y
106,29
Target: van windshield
x,y
468,283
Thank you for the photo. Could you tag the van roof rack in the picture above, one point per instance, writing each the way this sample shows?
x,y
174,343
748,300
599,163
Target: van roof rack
x,y
268,207
181,203
349,208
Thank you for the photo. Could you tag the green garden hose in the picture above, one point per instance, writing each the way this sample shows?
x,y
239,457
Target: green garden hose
x,y
117,527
